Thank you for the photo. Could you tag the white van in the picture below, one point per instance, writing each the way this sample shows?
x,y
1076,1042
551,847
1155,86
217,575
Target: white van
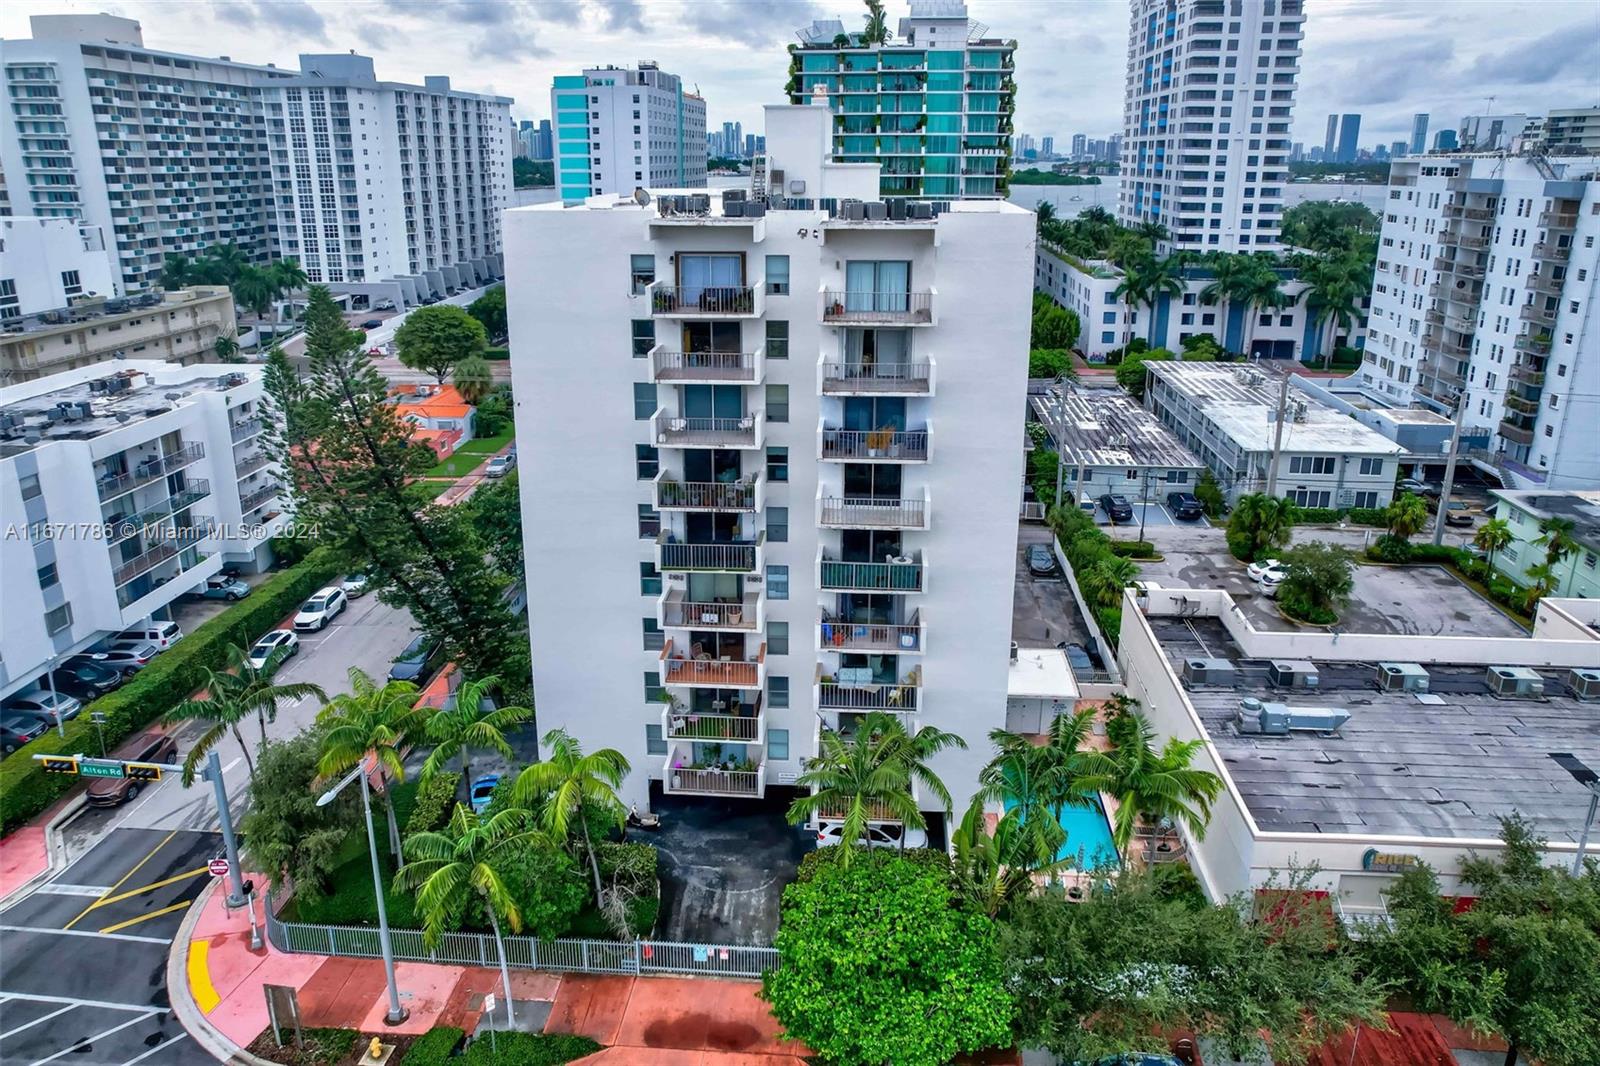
x,y
162,634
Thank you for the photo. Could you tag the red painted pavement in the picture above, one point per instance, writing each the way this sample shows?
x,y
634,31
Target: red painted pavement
x,y
22,858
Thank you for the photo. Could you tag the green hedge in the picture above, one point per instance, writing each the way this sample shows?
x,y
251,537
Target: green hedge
x,y
433,1047
436,799
1327,516
169,680
527,1049
1133,549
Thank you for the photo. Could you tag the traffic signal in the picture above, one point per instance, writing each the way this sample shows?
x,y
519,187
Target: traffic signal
x,y
141,771
59,764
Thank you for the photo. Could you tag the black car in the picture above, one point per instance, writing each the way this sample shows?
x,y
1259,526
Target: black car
x,y
1077,658
17,729
86,680
372,323
1185,506
417,661
1040,561
1116,507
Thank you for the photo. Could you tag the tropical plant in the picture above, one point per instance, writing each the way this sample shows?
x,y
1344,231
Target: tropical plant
x,y
1492,537
1104,582
287,276
1556,537
1406,515
232,695
1153,232
991,871
473,378
286,834
1542,581
1054,327
490,309
226,348
1044,214
1230,283
374,721
225,262
1262,292
463,725
254,289
568,788
1318,584
1333,293
877,31
1209,493
1131,372
1035,782
1259,525
1156,784
434,339
176,271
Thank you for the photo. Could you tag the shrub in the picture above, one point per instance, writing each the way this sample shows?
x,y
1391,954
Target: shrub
x,y
1133,549
433,1047
527,1049
166,682
1209,493
436,799
1389,549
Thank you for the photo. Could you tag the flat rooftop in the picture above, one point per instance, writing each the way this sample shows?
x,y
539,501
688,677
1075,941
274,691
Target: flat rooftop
x,y
1242,399
1107,427
106,312
1041,673
708,206
1581,507
1447,763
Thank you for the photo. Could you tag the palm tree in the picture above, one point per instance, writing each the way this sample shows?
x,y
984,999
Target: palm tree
x,y
1229,282
229,260
459,728
1107,578
226,347
377,721
255,289
233,695
467,856
1157,784
176,272
287,276
1406,516
473,377
1162,277
1262,522
1034,782
992,870
1044,214
1132,289
1154,232
1494,535
1543,582
1262,291
877,31
1332,295
867,776
569,786
1558,541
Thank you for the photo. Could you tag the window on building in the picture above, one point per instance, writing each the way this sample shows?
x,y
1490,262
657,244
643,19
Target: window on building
x,y
654,638
1311,464
778,275
778,638
777,743
47,575
777,692
777,583
649,580
654,742
644,401
30,486
649,523
1372,466
61,618
644,272
777,339
652,687
646,461
777,463
778,525
70,283
1366,499
644,337
777,403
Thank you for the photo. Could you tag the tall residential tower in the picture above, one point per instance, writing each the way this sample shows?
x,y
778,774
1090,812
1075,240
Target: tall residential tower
x,y
618,129
1209,98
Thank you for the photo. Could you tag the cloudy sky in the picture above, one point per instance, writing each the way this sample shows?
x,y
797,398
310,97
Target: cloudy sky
x,y
1383,58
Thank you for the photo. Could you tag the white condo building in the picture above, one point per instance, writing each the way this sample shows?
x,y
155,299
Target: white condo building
x,y
1209,98
1485,292
618,129
47,263
796,502
123,490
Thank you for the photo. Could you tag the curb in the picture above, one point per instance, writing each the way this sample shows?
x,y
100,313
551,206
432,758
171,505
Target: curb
x,y
184,1007
52,848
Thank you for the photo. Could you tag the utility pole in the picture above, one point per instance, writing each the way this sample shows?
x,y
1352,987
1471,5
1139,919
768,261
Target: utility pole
x,y
1449,472
230,845
1277,436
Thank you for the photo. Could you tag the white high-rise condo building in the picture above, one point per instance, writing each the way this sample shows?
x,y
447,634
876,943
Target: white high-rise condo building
x,y
123,489
618,129
795,503
387,189
1209,98
171,154
1485,294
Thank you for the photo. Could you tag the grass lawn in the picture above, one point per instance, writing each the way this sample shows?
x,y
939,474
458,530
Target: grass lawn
x,y
488,444
470,455
434,489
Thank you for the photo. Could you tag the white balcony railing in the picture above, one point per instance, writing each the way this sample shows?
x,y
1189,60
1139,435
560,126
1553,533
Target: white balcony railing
x,y
707,301
732,557
872,512
112,486
739,368
677,611
701,670
691,431
682,776
679,724
846,693
838,634
841,307
875,445
878,378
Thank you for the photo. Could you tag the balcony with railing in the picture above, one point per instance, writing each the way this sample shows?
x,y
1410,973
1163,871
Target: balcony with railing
x,y
841,307
880,378
112,486
250,501
1527,374
840,634
1522,405
250,464
747,614
874,445
1463,240
725,556
678,723
854,689
902,574
172,542
1536,313
121,529
1465,291
872,512
1558,219
693,431
1557,253
747,493
1517,428
693,668
1534,343
1450,344
731,368
246,428
1546,284
706,301
683,774
1476,214
1459,268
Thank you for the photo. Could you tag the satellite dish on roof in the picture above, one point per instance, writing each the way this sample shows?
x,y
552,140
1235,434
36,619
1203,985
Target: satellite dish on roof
x,y
641,197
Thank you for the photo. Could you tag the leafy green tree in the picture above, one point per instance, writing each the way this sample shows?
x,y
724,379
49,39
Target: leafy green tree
x,y
176,271
1406,516
434,339
569,788
1230,284
226,348
1044,214
1054,326
376,722
1319,583
1130,372
1156,784
991,871
288,277
473,378
235,694
1260,525
226,262
1493,537
286,835
1542,582
1335,286
490,310
1051,363
1328,226
253,288
1209,493
462,726
881,964
497,508
1035,782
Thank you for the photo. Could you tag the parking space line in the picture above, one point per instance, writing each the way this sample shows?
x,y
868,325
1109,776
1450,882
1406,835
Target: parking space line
x,y
36,1021
138,1008
121,881
230,766
164,1044
146,917
84,932
89,1041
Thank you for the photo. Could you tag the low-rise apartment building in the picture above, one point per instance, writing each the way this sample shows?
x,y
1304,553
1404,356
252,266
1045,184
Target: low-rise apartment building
x,y
176,327
796,503
48,263
124,488
1108,443
1227,415
1527,511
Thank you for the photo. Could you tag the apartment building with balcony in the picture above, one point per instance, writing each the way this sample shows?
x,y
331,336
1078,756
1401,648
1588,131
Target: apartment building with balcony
x,y
48,263
1484,295
124,489
618,129
1208,100
794,504
179,327
933,106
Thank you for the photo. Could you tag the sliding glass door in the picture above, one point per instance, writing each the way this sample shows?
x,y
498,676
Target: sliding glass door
x,y
877,284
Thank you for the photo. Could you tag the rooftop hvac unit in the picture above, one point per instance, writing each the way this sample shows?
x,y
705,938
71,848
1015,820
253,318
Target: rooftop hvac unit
x,y
754,209
733,208
897,210
730,195
1219,673
921,212
1515,683
797,187
877,211
1258,718
700,203
98,386
855,211
1293,674
1585,684
1402,677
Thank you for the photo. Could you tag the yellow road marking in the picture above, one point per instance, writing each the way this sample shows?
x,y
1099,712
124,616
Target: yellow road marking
x,y
174,879
146,917
123,880
205,993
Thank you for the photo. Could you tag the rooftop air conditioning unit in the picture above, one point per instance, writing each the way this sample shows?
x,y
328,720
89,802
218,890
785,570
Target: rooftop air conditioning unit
x,y
877,211
1219,673
797,187
921,212
1585,684
754,209
1515,683
730,195
733,208
1293,674
854,211
1402,677
1279,720
897,210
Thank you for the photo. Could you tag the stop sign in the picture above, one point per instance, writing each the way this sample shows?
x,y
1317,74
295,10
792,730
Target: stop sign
x,y
219,867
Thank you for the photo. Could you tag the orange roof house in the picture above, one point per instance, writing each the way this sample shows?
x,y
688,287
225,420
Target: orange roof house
x,y
437,408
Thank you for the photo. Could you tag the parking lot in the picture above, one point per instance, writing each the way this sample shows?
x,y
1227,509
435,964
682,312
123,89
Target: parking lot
x,y
1043,612
1152,515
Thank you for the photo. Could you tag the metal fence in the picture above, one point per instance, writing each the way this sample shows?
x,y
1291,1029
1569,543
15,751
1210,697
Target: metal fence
x,y
634,957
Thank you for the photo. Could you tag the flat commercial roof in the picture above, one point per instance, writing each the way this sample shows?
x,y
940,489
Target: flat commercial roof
x,y
1448,763
1041,673
1107,427
1242,399
1581,507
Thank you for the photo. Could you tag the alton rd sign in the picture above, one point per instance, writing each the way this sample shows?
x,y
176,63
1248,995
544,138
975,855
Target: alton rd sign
x,y
89,769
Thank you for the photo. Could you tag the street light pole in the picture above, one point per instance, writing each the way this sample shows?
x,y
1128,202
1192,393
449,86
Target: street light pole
x,y
397,1013
1590,780
230,844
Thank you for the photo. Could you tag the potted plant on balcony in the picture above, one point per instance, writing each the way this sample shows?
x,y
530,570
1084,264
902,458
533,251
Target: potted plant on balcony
x,y
878,441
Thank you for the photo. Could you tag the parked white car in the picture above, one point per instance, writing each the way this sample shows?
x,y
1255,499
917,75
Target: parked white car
x,y
1261,566
162,634
269,643
501,465
878,834
355,585
1270,580
320,609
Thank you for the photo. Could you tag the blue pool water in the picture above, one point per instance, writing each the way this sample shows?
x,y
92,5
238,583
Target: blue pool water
x,y
1088,843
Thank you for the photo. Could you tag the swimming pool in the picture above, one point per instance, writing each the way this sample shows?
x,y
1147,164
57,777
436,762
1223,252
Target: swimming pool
x,y
1088,842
